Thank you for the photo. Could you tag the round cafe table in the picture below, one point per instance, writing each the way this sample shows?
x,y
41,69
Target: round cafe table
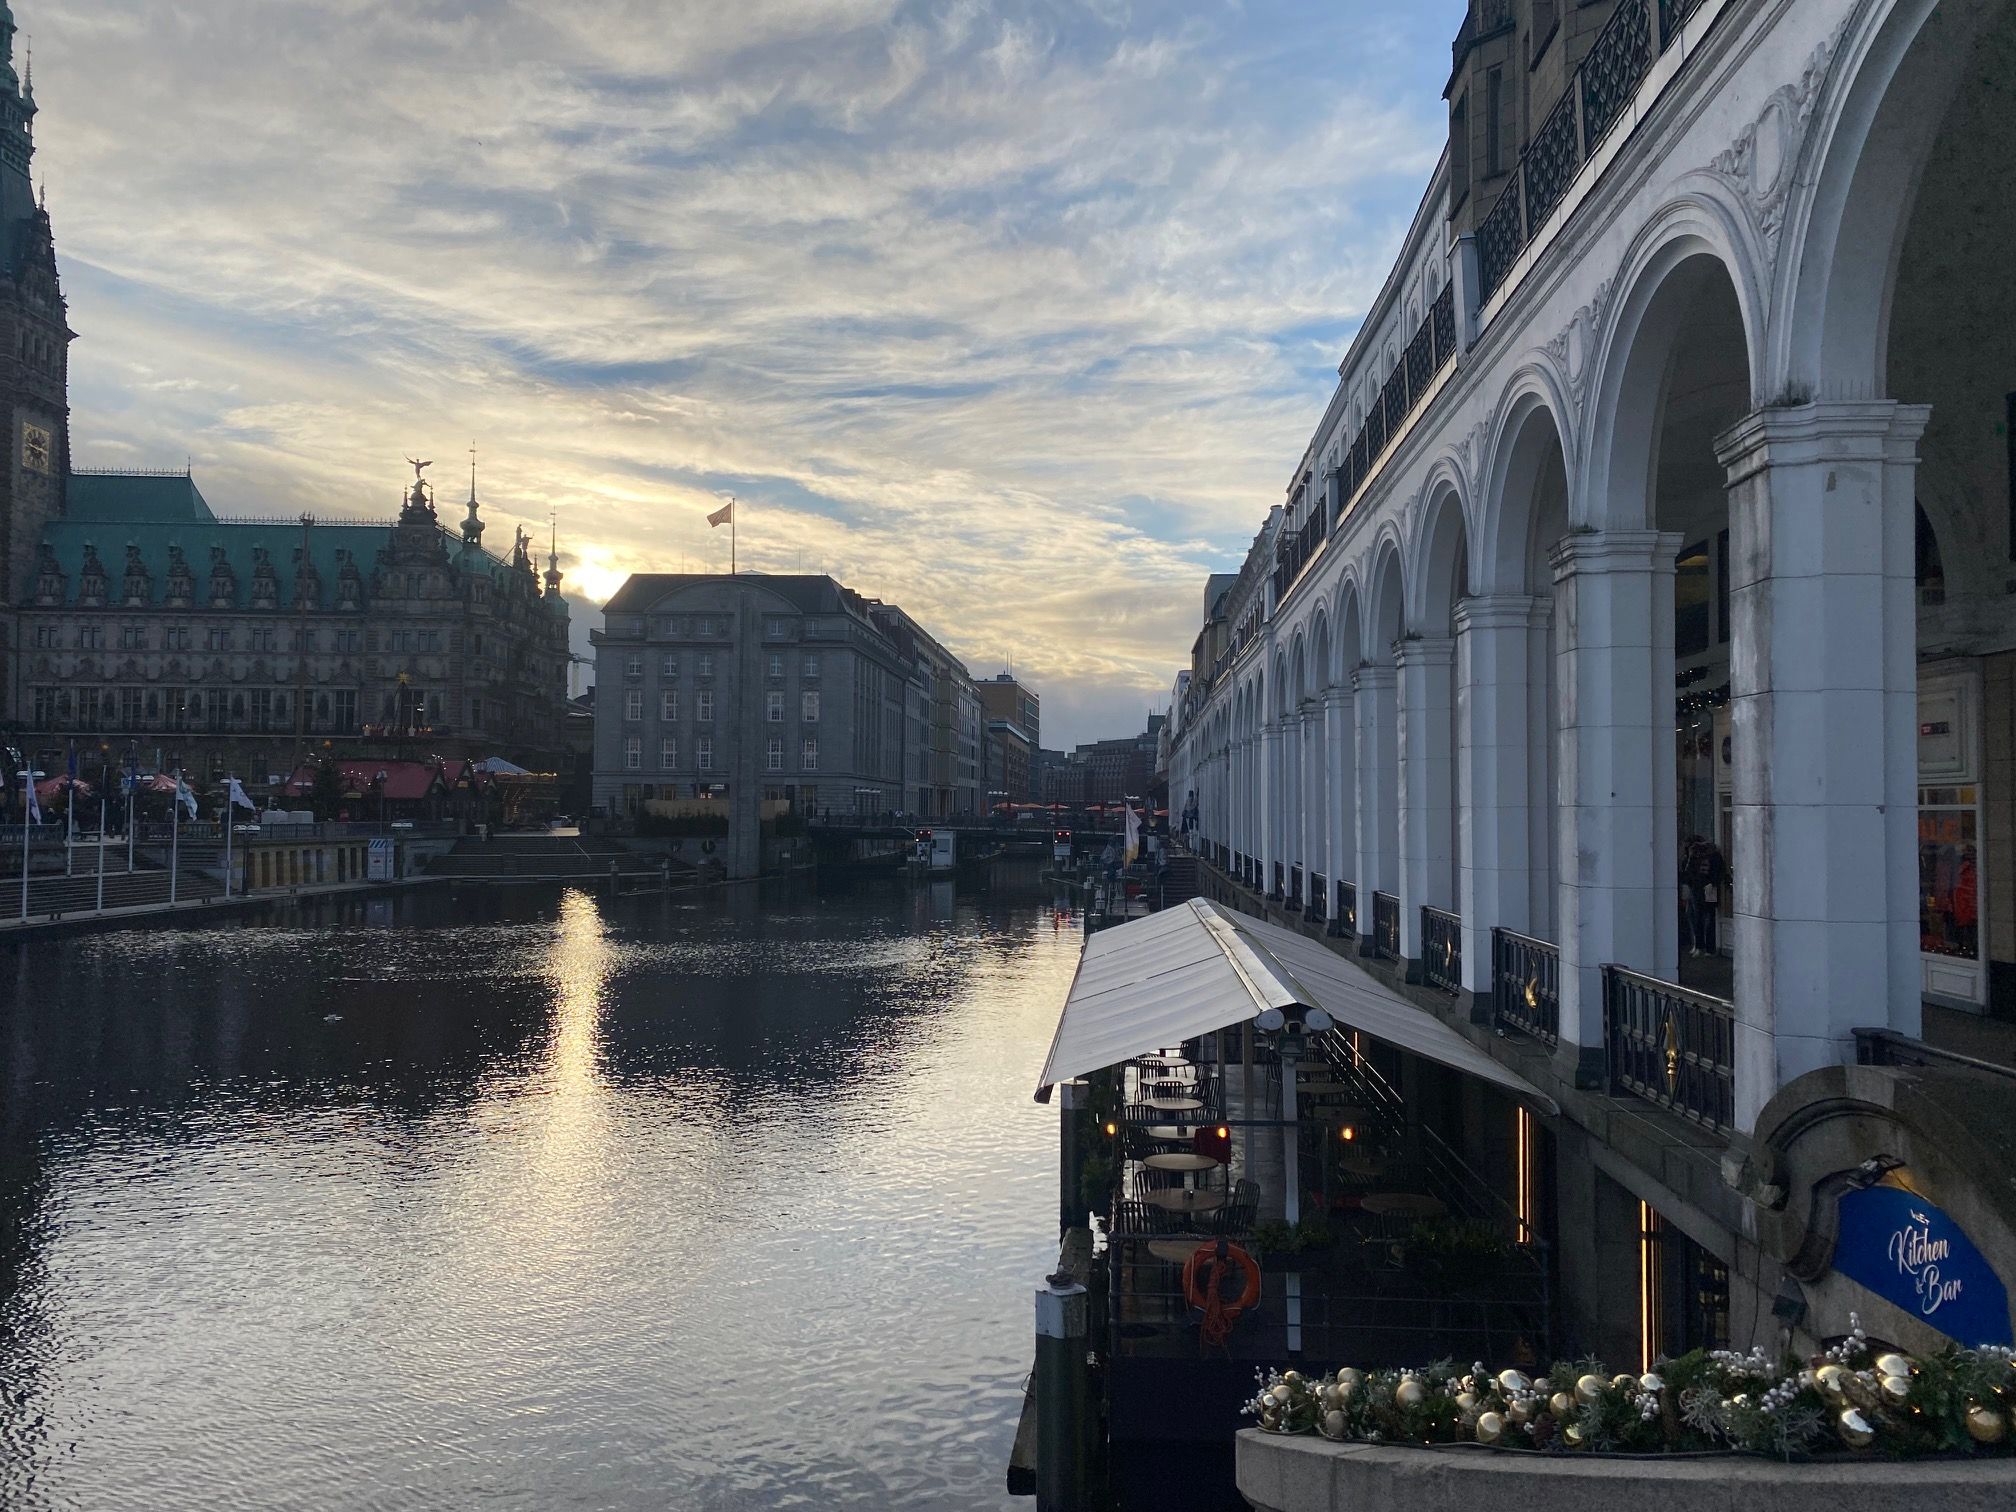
x,y
1173,1104
1175,1251
1404,1205
1173,1201
1171,1133
1180,1160
1164,1062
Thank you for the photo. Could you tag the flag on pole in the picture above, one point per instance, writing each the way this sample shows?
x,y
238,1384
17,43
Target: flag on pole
x,y
34,805
238,796
185,795
72,764
1133,837
725,515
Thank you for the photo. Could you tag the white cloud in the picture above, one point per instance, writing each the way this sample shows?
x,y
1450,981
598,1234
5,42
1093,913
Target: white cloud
x,y
1017,314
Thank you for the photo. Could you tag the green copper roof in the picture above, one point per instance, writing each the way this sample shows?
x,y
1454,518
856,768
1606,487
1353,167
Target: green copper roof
x,y
143,498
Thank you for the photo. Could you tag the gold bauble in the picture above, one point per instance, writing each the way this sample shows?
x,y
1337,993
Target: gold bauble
x,y
1543,1385
1893,1365
1333,1425
1291,1377
1829,1378
1650,1382
1562,1403
1897,1388
1573,1434
1520,1409
1855,1430
1490,1428
1328,1399
1985,1425
1350,1378
1269,1402
1589,1388
1410,1394
1466,1401
1512,1382
1624,1382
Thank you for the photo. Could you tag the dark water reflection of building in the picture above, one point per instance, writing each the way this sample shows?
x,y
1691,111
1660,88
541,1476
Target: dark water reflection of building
x,y
527,1196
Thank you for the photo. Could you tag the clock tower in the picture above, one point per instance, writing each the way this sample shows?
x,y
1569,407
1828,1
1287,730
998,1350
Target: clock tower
x,y
34,340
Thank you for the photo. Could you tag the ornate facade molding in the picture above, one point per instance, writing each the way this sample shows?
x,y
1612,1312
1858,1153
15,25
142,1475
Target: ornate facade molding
x,y
1572,350
1758,165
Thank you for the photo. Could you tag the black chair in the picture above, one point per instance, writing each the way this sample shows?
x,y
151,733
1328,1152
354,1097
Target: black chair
x,y
1240,1214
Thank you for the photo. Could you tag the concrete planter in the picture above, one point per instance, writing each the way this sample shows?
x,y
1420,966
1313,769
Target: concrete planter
x,y
1308,1474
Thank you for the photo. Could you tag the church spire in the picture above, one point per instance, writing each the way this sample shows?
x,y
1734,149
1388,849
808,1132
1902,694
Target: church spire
x,y
17,145
472,526
553,559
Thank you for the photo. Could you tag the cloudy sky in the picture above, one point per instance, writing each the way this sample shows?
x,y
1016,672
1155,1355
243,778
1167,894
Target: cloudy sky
x,y
1017,314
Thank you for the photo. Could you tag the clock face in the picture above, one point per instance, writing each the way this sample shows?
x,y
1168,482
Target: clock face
x,y
35,448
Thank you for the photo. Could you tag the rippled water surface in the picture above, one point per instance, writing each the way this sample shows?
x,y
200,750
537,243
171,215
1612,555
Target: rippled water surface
x,y
527,1201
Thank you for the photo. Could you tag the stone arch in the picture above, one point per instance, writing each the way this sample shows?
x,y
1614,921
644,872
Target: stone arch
x,y
1529,435
1322,667
1684,249
1888,81
1350,619
1441,556
1386,603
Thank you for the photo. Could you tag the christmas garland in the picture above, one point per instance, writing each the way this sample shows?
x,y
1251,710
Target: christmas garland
x,y
1959,1401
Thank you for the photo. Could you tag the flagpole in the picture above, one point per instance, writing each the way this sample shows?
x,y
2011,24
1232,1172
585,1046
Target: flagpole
x,y
132,810
229,825
174,835
101,840
27,805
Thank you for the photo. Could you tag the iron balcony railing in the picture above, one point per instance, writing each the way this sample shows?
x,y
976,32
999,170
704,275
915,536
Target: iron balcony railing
x,y
1673,1047
1886,1047
1344,917
1441,949
1526,985
1385,926
1597,98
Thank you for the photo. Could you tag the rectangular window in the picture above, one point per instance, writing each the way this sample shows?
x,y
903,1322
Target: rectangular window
x,y
774,758
349,640
91,638
703,754
262,638
668,705
773,628
704,628
1691,601
305,640
811,668
668,753
633,752
220,639
346,710
132,637
668,665
808,707
46,637
633,666
808,756
773,709
129,708
706,710
811,628
262,708
45,709
1949,886
776,666
633,704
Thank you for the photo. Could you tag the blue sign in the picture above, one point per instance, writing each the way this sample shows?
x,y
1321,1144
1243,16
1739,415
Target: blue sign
x,y
1912,1254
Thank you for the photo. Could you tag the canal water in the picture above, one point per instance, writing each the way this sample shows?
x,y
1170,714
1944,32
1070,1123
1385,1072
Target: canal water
x,y
528,1200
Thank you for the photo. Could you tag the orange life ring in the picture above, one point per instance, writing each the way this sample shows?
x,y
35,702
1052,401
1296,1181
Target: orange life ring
x,y
1203,1288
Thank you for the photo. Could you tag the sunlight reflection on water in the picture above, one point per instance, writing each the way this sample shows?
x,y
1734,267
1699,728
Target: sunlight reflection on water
x,y
578,1202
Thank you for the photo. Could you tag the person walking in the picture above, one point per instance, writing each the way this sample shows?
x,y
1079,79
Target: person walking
x,y
1707,875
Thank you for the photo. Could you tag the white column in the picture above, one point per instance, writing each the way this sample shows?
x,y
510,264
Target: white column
x,y
1618,853
1824,726
1291,796
1427,782
1542,786
1313,850
1270,804
1378,823
1340,794
1493,636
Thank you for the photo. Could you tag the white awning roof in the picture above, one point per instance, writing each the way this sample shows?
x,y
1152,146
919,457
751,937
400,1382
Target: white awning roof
x,y
1197,968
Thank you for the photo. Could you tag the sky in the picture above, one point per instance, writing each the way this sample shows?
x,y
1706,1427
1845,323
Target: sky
x,y
1018,315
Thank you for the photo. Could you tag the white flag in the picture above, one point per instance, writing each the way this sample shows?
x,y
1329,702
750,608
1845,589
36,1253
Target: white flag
x,y
185,795
34,806
1133,836
725,515
238,796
